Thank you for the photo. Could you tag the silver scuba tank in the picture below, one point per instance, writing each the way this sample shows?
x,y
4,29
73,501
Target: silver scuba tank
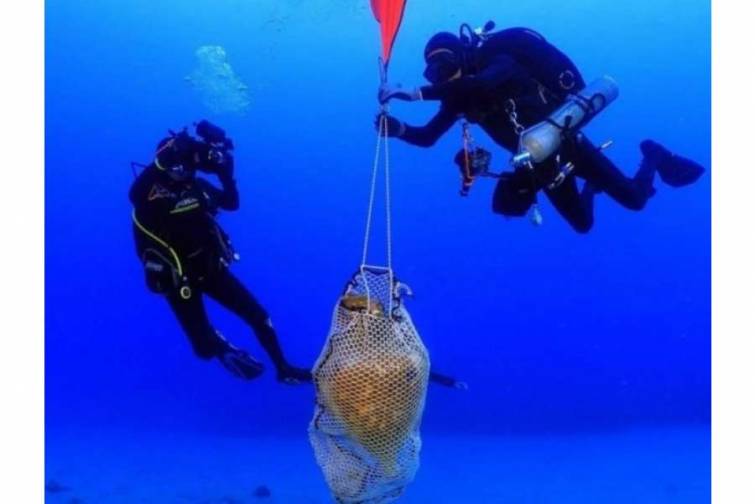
x,y
542,140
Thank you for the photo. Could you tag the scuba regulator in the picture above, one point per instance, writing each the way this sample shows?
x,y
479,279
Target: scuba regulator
x,y
474,37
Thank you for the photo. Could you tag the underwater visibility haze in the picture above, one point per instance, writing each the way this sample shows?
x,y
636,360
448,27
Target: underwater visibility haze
x,y
585,356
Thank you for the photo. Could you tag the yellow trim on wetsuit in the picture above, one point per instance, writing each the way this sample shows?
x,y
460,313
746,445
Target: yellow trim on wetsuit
x,y
184,209
158,240
440,50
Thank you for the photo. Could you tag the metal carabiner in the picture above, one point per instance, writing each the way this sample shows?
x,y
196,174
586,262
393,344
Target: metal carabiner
x,y
565,171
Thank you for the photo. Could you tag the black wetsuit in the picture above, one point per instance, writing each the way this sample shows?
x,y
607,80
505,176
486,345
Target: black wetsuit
x,y
495,86
182,215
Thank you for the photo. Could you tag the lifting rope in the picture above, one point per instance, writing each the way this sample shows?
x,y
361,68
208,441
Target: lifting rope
x,y
389,14
371,376
382,141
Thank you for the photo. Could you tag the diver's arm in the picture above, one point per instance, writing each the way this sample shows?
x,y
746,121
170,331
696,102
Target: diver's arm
x,y
426,136
500,70
226,198
229,199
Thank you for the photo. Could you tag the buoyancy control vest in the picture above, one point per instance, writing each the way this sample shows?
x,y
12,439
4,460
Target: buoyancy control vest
x,y
544,61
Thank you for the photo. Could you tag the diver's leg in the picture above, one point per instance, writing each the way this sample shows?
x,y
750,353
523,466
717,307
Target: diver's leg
x,y
192,317
206,341
595,167
227,290
576,208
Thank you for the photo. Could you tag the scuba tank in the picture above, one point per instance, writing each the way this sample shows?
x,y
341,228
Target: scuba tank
x,y
542,140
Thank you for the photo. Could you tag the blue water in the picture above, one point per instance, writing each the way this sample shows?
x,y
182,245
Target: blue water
x,y
587,356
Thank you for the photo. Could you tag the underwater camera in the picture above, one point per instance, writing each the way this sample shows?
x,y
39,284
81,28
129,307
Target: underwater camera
x,y
216,140
213,135
472,163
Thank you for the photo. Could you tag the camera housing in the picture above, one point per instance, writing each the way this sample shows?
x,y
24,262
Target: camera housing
x,y
213,135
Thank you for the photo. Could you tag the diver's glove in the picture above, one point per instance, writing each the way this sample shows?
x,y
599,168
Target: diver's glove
x,y
291,375
388,92
214,159
395,128
224,168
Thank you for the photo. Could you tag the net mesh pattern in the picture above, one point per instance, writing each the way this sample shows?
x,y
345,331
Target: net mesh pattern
x,y
371,380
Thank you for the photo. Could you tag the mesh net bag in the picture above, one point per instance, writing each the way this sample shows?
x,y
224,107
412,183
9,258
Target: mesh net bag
x,y
371,380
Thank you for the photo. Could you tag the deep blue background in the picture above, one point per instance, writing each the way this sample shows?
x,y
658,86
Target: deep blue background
x,y
552,330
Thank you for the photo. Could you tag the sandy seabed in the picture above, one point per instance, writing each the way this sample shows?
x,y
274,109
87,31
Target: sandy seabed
x,y
640,466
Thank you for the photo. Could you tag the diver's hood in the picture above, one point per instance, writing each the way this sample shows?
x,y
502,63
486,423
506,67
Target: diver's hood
x,y
177,150
167,155
444,57
175,156
443,40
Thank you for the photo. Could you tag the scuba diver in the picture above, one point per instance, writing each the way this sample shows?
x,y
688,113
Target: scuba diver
x,y
186,255
531,100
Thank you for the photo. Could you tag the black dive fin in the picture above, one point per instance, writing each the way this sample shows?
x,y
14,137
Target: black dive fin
x,y
674,170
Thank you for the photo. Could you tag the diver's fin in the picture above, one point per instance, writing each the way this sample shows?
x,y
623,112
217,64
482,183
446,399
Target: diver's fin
x,y
674,170
291,375
237,361
241,364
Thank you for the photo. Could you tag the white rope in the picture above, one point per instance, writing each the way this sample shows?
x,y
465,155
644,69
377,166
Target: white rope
x,y
388,236
382,136
373,187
